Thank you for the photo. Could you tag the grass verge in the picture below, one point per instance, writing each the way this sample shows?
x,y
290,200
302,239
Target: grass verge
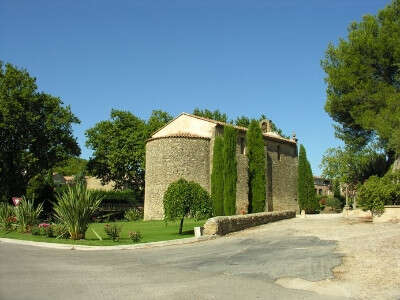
x,y
152,231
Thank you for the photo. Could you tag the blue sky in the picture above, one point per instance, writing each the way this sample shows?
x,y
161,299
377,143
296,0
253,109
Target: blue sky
x,y
243,57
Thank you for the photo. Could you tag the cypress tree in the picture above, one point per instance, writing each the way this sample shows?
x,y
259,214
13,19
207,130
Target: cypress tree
x,y
305,184
256,159
230,170
217,177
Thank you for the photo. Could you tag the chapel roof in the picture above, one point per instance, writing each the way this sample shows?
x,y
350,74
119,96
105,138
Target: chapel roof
x,y
269,135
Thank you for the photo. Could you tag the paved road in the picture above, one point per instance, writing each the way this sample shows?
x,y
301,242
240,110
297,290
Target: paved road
x,y
242,266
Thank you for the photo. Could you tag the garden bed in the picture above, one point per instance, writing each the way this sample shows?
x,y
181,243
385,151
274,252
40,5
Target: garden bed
x,y
152,231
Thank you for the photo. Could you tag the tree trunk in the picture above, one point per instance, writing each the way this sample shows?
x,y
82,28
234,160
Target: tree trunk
x,y
181,226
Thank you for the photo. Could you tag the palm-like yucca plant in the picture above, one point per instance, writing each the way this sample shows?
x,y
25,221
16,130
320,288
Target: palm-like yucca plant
x,y
75,208
26,213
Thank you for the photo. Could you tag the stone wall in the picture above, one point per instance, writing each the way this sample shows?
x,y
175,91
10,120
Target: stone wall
x,y
169,159
281,176
242,186
391,214
225,224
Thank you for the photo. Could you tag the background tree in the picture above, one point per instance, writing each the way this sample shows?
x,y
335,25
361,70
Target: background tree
x,y
230,170
183,199
157,120
305,184
41,189
351,167
213,115
363,78
119,148
256,160
71,166
35,130
217,177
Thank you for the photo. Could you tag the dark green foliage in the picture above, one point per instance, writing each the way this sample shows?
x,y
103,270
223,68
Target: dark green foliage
x,y
183,199
256,161
41,189
213,115
116,201
125,196
334,203
71,166
372,195
217,177
377,192
119,147
35,130
363,77
305,185
230,170
157,120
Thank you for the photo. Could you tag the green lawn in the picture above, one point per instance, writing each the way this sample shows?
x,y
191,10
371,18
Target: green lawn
x,y
152,231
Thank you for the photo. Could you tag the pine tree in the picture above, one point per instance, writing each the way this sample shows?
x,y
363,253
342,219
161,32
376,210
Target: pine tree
x,y
256,160
230,171
217,177
305,184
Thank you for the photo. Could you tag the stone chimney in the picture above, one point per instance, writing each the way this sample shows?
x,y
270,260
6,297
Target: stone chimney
x,y
265,126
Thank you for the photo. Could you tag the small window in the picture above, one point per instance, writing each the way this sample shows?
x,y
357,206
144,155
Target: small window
x,y
279,153
242,145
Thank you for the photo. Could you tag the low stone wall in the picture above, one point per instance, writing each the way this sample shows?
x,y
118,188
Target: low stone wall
x,y
226,224
391,214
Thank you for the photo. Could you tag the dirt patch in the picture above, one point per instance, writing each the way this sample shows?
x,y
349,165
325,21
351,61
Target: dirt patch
x,y
371,262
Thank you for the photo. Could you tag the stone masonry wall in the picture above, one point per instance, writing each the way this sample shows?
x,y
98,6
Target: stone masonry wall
x,y
282,176
225,224
169,159
242,186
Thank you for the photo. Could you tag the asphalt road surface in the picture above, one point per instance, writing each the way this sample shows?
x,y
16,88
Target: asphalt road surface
x,y
235,267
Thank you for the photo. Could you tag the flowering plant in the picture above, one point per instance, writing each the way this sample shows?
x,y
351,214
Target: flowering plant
x,y
43,225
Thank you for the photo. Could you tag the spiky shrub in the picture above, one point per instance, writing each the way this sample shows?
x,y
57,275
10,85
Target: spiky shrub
x,y
113,231
256,159
27,214
230,171
135,236
183,199
75,208
7,217
217,177
305,185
